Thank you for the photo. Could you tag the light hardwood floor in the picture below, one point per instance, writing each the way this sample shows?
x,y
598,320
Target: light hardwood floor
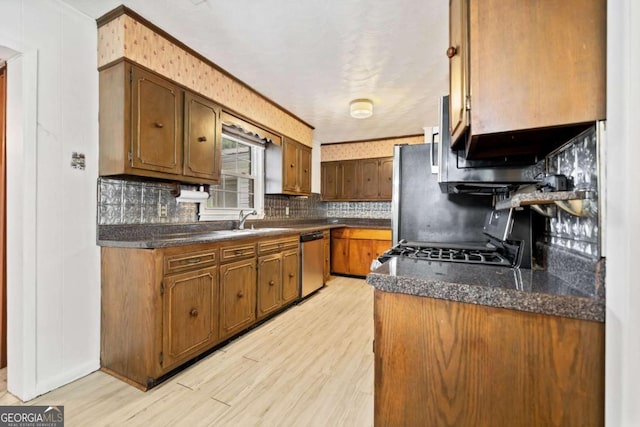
x,y
310,366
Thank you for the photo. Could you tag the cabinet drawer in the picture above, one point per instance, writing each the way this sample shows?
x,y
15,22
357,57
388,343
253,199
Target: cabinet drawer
x,y
190,261
361,233
278,244
239,251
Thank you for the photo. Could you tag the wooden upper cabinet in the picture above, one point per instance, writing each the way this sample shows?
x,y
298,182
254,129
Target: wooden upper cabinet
x,y
458,55
369,178
288,168
534,75
349,172
363,179
202,134
386,178
152,127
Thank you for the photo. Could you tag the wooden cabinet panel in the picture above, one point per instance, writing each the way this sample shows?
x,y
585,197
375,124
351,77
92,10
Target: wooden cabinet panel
x,y
501,116
378,247
269,284
386,179
349,172
237,296
156,118
340,255
360,256
190,319
202,134
326,236
305,168
369,178
331,180
447,363
291,166
290,275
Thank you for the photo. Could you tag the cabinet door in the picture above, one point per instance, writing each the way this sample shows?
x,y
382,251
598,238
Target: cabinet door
x,y
290,165
349,185
327,257
360,256
156,110
379,247
202,133
269,284
369,179
237,296
385,181
190,317
304,156
458,68
340,255
290,276
330,175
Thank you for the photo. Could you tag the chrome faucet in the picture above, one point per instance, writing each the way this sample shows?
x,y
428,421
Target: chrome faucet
x,y
243,218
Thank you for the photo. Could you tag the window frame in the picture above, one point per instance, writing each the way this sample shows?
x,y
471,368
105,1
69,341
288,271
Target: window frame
x,y
206,213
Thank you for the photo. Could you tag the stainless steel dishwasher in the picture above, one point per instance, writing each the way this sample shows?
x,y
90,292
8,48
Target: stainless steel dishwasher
x,y
312,264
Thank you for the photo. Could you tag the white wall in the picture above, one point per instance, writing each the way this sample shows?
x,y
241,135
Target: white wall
x,y
53,261
623,213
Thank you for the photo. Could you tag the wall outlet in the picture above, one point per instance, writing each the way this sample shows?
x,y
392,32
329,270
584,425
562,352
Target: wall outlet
x,y
286,210
162,210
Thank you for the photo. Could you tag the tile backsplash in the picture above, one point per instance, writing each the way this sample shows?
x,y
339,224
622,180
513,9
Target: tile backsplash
x,y
122,201
126,201
578,160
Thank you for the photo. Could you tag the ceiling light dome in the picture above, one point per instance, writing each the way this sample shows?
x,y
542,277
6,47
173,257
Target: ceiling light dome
x,y
361,108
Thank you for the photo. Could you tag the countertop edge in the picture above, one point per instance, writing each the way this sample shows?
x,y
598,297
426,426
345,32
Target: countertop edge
x,y
582,308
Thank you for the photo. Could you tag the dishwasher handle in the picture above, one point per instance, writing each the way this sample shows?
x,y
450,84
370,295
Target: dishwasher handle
x,y
307,237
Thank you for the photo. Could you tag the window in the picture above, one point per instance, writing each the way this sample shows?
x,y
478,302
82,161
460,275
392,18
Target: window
x,y
241,182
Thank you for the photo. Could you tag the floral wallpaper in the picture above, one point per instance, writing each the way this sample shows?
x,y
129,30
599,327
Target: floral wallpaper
x,y
126,37
365,149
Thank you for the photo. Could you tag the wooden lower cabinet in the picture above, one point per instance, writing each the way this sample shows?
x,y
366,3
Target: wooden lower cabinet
x,y
190,317
444,363
326,271
353,249
278,274
162,307
237,296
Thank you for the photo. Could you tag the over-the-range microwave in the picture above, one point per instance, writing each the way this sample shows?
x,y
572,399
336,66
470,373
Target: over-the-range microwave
x,y
486,176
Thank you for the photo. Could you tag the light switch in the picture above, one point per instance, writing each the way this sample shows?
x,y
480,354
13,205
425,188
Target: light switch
x,y
77,160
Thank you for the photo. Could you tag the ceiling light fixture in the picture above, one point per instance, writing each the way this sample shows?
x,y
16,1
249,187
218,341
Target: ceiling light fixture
x,y
361,108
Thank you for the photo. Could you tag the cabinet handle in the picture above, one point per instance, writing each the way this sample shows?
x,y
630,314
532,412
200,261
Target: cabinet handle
x,y
193,312
271,283
452,51
202,139
239,251
291,275
193,260
159,125
240,294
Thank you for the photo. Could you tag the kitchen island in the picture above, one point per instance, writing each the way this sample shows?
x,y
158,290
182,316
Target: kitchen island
x,y
468,345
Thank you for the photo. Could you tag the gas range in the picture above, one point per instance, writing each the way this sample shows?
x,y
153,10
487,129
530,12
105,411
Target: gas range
x,y
497,253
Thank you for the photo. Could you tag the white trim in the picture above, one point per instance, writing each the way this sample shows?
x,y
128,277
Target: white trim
x,y
77,372
22,119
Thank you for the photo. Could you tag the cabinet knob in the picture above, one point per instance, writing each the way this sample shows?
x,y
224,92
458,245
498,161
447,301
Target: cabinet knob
x,y
452,51
159,125
271,283
193,312
291,275
202,139
306,170
240,294
292,165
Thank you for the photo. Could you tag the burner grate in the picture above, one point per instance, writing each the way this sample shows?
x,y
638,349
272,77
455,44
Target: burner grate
x,y
488,256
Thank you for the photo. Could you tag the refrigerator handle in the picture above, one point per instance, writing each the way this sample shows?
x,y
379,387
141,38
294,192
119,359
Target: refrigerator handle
x,y
435,139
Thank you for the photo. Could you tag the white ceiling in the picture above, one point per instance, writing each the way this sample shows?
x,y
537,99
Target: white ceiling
x,y
314,56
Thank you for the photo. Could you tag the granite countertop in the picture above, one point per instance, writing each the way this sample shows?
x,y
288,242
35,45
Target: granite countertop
x,y
534,291
149,236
